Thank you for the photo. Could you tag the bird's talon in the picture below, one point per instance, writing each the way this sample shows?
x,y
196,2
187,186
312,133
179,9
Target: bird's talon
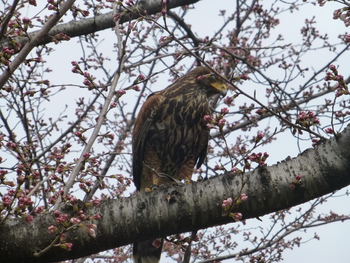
x,y
187,181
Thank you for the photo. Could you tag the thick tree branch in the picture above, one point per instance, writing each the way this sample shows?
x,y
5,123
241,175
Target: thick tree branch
x,y
96,23
166,211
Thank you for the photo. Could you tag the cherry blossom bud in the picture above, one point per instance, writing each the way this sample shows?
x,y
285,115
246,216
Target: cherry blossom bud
x,y
157,243
244,197
208,118
224,111
87,155
120,92
91,231
75,220
237,216
96,202
227,202
52,229
347,38
329,131
96,217
141,77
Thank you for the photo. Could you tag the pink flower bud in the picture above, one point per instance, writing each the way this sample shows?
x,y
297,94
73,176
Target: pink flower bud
x,y
227,202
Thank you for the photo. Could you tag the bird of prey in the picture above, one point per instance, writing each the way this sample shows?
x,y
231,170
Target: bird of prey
x,y
170,138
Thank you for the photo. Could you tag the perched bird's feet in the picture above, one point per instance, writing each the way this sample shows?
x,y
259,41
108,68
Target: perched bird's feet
x,y
148,190
153,187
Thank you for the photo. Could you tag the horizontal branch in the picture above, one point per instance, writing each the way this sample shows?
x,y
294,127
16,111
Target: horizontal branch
x,y
97,23
166,211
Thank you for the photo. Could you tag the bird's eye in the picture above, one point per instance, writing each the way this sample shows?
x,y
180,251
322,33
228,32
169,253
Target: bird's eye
x,y
212,78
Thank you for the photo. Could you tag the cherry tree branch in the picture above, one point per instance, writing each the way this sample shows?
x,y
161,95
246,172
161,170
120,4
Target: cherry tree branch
x,y
35,40
167,211
94,24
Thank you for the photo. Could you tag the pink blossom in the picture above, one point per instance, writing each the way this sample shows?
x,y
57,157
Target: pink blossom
x,y
91,231
332,67
227,202
141,77
78,134
82,217
61,219
235,170
259,136
157,243
224,111
244,197
221,122
208,118
6,200
75,220
228,101
136,88
26,20
96,202
87,155
237,216
120,92
52,229
329,131
96,217
39,210
347,38
67,246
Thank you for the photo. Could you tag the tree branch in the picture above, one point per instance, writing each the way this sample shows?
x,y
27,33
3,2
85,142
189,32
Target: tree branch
x,y
166,211
34,41
94,24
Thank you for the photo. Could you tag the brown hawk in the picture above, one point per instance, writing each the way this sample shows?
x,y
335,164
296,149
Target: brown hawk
x,y
170,138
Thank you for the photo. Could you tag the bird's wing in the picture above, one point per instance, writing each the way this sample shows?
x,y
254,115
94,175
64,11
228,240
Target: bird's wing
x,y
203,147
142,125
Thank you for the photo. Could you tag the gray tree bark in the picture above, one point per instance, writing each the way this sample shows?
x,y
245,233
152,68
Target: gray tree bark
x,y
166,211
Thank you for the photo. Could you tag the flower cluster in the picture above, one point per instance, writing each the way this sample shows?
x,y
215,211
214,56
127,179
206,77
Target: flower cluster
x,y
228,205
139,79
258,137
165,40
89,80
5,55
60,37
343,14
306,120
258,158
164,7
329,130
218,120
75,11
342,88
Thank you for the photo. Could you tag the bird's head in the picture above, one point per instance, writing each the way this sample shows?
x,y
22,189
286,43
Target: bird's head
x,y
210,82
